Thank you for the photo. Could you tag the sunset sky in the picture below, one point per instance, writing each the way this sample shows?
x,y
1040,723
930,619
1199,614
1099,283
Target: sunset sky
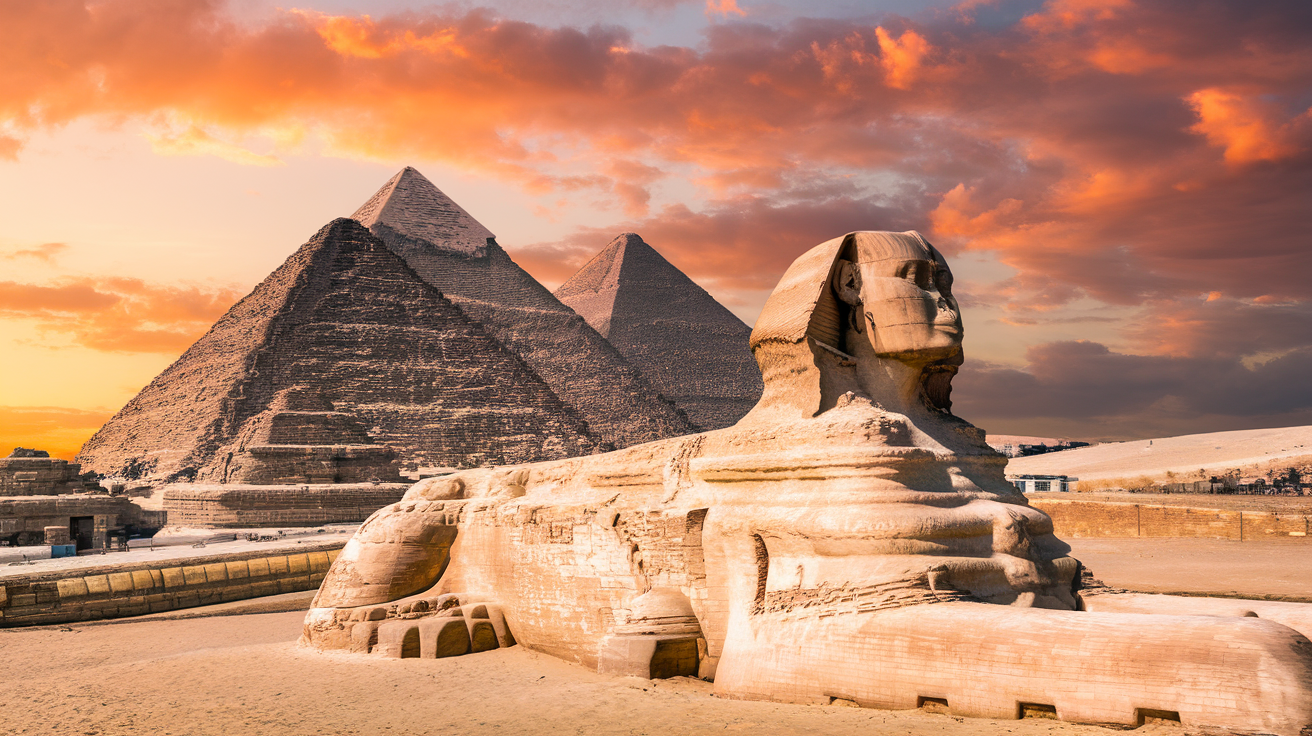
x,y
1122,187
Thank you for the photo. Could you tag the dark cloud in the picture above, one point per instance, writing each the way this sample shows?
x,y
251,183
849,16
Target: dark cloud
x,y
1117,395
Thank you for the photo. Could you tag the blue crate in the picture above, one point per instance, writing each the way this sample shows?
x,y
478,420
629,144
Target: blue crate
x,y
63,550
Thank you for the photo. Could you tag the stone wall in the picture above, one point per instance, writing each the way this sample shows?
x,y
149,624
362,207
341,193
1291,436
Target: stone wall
x,y
1105,519
243,506
113,591
23,519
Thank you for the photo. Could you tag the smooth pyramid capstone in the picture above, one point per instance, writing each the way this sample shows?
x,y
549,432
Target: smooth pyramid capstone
x,y
344,318
453,252
688,345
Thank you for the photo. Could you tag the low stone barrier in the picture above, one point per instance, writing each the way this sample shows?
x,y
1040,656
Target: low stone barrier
x,y
246,506
113,591
1075,519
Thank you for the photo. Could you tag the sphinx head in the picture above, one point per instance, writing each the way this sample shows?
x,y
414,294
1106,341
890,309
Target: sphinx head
x,y
897,290
875,305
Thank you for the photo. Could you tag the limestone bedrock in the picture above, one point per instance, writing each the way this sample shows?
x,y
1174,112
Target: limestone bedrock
x,y
848,539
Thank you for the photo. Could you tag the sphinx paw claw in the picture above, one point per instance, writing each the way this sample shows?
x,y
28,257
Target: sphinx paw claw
x,y
428,628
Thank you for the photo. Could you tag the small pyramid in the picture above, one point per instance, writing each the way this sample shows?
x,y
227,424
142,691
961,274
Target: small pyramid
x,y
345,322
692,349
461,258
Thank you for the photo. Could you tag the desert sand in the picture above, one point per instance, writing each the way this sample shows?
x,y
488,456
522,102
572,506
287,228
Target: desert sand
x,y
230,669
1219,567
1213,452
244,674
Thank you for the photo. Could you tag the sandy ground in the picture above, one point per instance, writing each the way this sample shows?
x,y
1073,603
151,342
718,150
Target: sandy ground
x,y
234,669
244,674
1215,451
1280,570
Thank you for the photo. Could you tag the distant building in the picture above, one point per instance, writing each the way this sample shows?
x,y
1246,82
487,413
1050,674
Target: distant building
x,y
1042,483
1017,449
1028,450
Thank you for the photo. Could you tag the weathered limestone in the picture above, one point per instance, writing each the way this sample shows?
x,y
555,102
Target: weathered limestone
x,y
461,258
88,519
346,319
34,473
849,539
242,506
301,438
692,349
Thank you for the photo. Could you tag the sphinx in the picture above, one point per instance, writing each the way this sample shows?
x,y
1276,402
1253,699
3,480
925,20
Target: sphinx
x,y
848,539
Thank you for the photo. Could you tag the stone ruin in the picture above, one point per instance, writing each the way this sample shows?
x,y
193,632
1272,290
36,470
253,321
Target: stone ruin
x,y
34,473
849,539
450,250
45,501
299,462
692,349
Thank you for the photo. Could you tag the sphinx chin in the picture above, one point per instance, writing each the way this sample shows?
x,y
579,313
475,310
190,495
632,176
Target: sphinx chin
x,y
848,539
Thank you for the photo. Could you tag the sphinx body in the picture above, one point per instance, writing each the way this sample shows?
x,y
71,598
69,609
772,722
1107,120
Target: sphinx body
x,y
848,539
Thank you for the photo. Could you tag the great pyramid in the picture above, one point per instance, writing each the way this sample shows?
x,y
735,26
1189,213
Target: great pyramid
x,y
453,252
692,349
348,320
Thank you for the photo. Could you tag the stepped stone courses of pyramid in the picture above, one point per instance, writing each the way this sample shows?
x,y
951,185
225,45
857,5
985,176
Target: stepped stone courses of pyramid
x,y
301,438
688,345
343,316
440,241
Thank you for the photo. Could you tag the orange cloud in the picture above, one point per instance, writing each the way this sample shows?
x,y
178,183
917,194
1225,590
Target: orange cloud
x,y
193,141
117,314
1242,127
1079,143
9,147
45,252
724,8
901,56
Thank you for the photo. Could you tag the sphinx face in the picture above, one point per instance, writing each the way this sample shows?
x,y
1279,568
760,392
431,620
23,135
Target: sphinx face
x,y
904,289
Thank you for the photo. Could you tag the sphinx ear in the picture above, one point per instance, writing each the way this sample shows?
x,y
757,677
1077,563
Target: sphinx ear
x,y
847,283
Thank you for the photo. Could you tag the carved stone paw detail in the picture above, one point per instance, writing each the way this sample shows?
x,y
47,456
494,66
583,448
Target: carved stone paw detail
x,y
428,628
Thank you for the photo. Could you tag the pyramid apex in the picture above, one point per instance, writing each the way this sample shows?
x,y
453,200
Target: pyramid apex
x,y
410,208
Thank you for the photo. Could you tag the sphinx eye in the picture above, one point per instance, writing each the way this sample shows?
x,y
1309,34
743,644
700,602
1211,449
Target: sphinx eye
x,y
943,281
919,273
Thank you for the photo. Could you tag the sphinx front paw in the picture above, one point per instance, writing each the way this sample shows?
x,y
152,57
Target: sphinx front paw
x,y
429,627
